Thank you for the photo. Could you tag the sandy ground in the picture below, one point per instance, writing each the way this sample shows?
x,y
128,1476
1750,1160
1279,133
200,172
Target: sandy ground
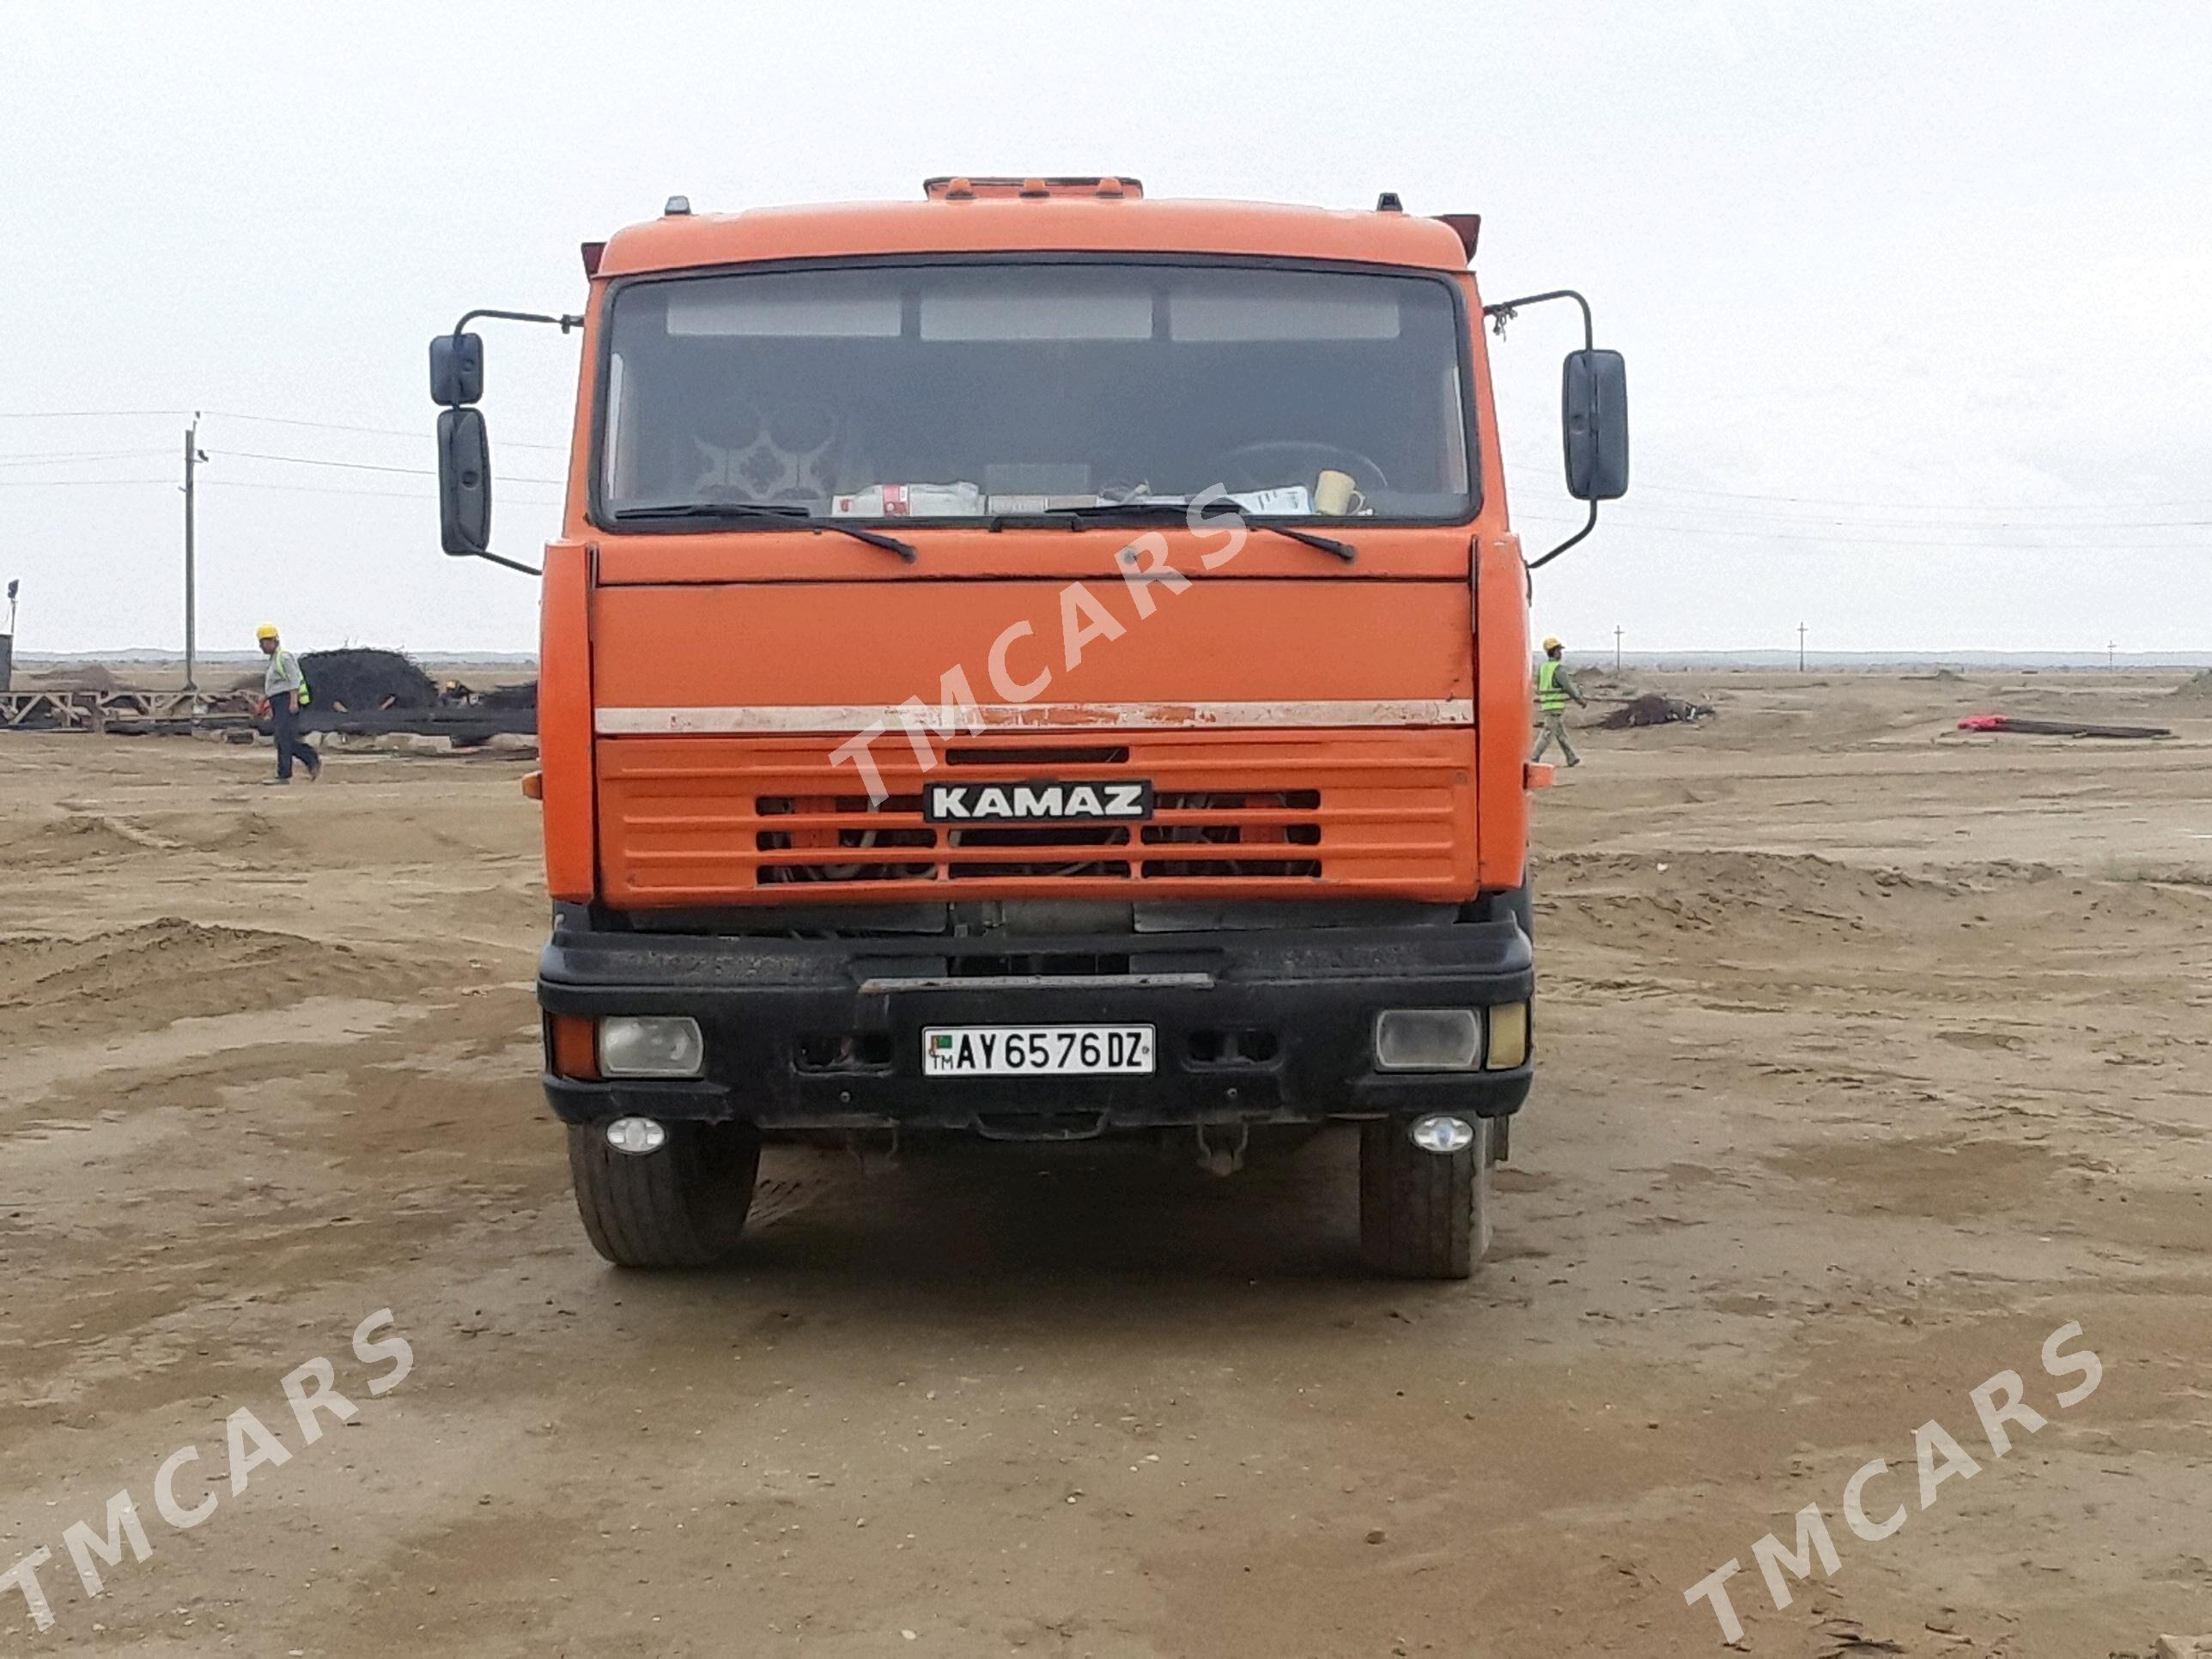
x,y
1872,1053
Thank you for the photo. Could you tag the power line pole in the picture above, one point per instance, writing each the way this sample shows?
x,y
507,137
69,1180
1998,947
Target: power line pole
x,y
1800,647
2111,646
1616,650
192,458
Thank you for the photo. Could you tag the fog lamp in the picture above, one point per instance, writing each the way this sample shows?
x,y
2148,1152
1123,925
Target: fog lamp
x,y
636,1135
1440,1133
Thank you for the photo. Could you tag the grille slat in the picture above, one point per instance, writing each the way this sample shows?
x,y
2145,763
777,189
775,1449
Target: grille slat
x,y
1226,852
747,822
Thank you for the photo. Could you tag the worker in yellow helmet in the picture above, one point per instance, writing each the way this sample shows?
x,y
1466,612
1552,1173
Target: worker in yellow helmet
x,y
1555,687
286,688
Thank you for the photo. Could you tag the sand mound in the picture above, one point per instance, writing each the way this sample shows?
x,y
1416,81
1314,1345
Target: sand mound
x,y
171,969
1785,909
2197,688
78,838
1704,892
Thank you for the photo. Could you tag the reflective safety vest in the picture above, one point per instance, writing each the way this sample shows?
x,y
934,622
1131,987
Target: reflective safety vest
x,y
284,668
1549,696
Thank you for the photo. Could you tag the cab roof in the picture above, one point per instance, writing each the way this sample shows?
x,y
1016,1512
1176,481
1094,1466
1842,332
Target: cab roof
x,y
1037,215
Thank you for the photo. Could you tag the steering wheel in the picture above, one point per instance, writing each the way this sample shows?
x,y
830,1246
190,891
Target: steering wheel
x,y
1248,466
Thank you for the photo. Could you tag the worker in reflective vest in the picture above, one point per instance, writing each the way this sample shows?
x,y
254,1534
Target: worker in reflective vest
x,y
287,690
1555,687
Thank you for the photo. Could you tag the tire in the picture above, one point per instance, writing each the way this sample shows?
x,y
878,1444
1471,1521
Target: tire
x,y
681,1206
1422,1215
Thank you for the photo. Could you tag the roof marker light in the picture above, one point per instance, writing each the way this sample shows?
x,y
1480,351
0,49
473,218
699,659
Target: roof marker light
x,y
678,207
972,187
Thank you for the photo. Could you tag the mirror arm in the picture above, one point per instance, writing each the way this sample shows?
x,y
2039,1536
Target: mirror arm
x,y
1503,313
532,570
564,323
1588,524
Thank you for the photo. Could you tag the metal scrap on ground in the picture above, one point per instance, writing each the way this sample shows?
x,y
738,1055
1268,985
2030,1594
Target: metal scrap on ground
x,y
1654,708
2057,728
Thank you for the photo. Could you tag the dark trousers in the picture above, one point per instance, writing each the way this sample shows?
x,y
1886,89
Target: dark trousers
x,y
284,723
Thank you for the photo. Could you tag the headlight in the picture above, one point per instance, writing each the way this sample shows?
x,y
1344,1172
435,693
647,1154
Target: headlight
x,y
632,1045
1427,1040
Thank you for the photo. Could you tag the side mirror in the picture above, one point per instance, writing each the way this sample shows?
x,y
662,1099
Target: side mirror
x,y
1593,413
464,481
455,369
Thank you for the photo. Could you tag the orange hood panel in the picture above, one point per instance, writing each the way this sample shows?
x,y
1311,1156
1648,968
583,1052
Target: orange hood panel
x,y
1038,644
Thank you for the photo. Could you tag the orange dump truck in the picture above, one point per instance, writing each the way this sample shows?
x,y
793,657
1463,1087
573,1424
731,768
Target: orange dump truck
x,y
1034,663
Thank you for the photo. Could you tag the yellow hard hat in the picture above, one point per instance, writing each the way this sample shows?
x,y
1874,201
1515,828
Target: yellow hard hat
x,y
1551,642
266,631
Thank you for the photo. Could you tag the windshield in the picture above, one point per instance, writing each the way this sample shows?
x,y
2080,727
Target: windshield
x,y
954,391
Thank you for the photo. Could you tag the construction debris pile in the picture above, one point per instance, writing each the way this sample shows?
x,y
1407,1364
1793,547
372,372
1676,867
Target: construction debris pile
x,y
1654,708
358,679
357,690
524,695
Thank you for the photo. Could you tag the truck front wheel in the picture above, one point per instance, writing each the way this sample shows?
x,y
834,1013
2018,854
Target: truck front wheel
x,y
1423,1215
681,1207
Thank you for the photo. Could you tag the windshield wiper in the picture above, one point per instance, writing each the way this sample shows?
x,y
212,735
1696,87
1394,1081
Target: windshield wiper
x,y
1108,511
770,510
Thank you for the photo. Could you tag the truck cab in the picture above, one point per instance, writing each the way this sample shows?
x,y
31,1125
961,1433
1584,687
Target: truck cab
x,y
1034,663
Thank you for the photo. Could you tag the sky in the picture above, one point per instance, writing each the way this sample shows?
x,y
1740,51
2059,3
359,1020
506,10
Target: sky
x,y
1913,298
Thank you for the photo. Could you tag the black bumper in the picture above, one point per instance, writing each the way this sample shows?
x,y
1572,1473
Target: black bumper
x,y
1254,1027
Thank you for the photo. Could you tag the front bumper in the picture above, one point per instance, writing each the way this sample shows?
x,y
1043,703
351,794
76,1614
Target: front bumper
x,y
1270,1026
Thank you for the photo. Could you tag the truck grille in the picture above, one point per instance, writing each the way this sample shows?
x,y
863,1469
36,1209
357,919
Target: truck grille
x,y
693,820
1186,836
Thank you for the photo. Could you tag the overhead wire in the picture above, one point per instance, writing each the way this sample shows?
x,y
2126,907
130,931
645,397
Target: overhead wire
x,y
1880,505
242,415
369,466
1747,524
69,458
1622,524
383,431
336,490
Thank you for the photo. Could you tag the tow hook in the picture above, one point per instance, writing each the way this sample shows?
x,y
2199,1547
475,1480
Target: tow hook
x,y
1223,1160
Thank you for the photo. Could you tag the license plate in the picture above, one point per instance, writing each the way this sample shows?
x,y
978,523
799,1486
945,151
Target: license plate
x,y
1040,1050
